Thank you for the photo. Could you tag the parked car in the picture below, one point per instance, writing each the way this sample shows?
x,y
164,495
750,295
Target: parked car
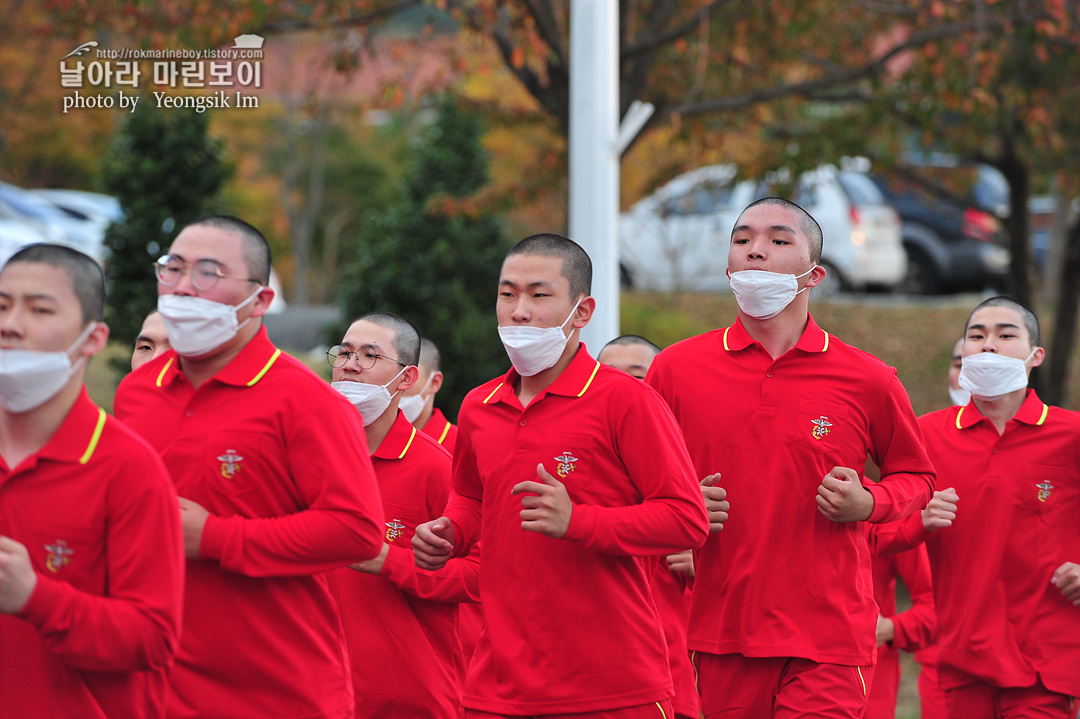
x,y
15,235
677,238
950,247
57,226
92,207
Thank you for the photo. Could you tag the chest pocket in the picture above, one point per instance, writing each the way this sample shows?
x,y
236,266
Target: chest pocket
x,y
821,426
572,459
1045,492
71,552
401,523
235,462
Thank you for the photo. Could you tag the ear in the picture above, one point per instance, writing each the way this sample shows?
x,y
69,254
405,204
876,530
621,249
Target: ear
x,y
816,276
436,382
99,337
408,378
584,312
262,301
1038,357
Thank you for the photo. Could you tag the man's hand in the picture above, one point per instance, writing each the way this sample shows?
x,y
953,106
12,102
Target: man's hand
x,y
886,630
17,576
682,562
373,565
549,511
193,518
842,498
716,503
433,543
1067,579
941,511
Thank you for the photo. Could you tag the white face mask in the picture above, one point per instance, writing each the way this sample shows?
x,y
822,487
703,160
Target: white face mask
x,y
534,349
29,378
371,400
988,375
413,405
764,295
959,396
196,326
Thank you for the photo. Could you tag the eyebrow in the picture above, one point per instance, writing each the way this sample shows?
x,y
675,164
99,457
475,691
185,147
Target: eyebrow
x,y
144,338
530,285
775,228
364,346
216,261
31,296
998,326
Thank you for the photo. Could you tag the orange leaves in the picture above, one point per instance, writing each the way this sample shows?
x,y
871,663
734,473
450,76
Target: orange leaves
x,y
517,57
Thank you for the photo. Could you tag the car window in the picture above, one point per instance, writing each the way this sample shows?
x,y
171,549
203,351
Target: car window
x,y
701,200
860,189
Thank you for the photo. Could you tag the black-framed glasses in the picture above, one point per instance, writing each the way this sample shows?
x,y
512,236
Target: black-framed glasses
x,y
204,273
338,357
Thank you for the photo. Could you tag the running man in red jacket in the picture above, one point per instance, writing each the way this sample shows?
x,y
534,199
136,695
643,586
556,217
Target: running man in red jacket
x,y
1002,535
575,477
782,616
271,497
400,621
91,550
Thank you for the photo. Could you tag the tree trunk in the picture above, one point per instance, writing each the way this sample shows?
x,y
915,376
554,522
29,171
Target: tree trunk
x,y
1017,224
1055,372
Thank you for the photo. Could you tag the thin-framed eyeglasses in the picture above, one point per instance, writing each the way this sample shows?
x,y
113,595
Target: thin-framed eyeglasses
x,y
338,357
204,273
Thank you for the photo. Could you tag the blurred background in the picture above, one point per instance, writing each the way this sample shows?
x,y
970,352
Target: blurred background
x,y
392,150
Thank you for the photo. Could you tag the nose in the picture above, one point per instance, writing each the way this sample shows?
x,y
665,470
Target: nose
x,y
522,310
184,285
756,249
11,324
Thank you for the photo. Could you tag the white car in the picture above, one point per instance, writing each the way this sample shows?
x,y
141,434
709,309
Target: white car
x,y
15,235
56,225
678,237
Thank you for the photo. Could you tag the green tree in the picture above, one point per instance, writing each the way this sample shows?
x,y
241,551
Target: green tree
x,y
165,170
433,256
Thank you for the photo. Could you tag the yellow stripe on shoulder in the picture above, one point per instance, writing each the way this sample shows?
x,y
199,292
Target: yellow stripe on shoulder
x,y
95,437
445,431
591,378
165,369
488,398
266,368
408,444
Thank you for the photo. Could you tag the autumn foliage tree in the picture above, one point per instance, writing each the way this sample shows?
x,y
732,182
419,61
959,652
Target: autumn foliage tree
x,y
166,171
433,255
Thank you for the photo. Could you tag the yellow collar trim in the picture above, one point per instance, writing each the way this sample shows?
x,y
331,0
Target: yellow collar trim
x,y
591,377
488,398
266,368
445,431
164,369
94,438
1042,417
408,444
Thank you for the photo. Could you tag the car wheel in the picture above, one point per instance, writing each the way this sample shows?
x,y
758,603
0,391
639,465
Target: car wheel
x,y
833,283
922,276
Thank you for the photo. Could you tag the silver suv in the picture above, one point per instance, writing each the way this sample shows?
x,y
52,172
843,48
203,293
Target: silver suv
x,y
677,238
